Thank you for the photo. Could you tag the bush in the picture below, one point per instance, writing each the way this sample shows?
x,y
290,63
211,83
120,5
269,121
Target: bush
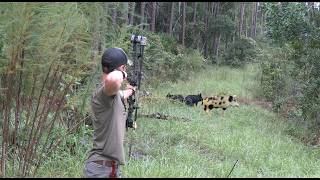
x,y
310,103
277,83
292,82
242,51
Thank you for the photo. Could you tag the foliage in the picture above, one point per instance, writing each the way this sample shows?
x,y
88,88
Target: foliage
x,y
286,21
222,24
170,44
242,51
175,63
310,103
46,51
277,83
293,29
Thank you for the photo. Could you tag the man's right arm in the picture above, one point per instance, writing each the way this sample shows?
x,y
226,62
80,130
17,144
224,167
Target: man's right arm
x,y
113,82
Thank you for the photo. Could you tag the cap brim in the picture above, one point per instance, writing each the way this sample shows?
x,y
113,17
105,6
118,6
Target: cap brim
x,y
130,62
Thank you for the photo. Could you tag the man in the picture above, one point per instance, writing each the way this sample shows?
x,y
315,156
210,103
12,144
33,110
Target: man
x,y
110,117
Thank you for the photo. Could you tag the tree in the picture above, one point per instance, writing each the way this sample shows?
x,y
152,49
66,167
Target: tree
x,y
142,10
126,12
206,29
171,18
153,16
114,13
290,26
262,10
184,4
132,8
194,13
254,20
217,34
194,32
242,7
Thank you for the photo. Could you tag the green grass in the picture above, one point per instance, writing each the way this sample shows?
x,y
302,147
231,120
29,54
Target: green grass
x,y
206,146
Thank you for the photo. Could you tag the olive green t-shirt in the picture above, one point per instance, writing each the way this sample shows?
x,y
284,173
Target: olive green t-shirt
x,y
109,127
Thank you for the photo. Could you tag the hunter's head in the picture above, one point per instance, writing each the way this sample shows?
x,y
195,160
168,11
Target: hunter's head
x,y
113,58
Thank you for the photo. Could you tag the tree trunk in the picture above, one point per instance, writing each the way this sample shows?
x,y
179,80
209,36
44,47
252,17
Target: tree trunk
x,y
101,34
217,45
217,35
96,34
318,119
184,4
171,18
259,15
254,20
103,25
262,21
311,11
132,8
196,44
194,13
153,16
235,15
114,14
226,43
242,7
245,27
143,4
205,36
126,12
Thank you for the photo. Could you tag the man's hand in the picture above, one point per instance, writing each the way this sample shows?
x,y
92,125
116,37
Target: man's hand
x,y
129,90
133,88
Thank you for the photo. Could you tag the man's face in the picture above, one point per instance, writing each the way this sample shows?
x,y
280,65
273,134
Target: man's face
x,y
123,68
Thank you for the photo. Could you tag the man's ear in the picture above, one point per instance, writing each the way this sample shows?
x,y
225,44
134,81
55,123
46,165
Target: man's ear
x,y
123,66
105,70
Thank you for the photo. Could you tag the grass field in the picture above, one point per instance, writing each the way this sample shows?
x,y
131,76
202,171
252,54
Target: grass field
x,y
252,139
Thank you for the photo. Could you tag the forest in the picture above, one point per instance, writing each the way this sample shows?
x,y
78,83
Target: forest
x,y
266,53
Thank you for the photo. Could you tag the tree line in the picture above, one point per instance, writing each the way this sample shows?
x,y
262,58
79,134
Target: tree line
x,y
202,25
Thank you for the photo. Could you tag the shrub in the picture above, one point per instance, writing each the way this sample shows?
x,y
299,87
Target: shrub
x,y
242,51
277,84
310,103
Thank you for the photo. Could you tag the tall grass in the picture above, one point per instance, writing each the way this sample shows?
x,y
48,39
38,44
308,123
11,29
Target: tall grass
x,y
206,146
44,55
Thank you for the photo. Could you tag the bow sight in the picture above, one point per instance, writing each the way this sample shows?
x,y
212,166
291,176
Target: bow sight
x,y
134,78
139,39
